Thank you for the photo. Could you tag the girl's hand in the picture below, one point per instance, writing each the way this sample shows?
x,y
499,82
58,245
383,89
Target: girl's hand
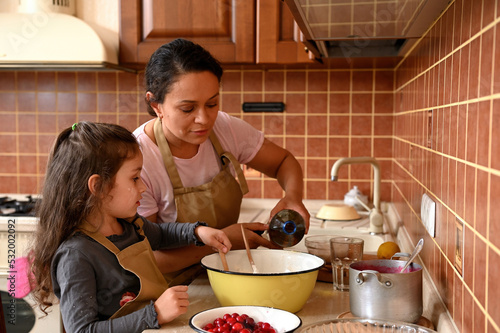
x,y
171,304
254,240
215,238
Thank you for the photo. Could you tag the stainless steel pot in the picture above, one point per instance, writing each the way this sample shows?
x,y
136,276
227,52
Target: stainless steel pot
x,y
378,291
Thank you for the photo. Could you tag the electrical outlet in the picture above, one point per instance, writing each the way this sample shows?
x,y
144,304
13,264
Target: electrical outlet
x,y
428,214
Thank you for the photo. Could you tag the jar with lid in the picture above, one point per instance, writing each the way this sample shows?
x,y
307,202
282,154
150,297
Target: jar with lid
x,y
350,198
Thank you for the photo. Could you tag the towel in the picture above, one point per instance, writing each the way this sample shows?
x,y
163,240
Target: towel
x,y
20,278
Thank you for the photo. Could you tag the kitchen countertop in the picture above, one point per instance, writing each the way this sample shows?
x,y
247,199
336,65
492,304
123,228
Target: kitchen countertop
x,y
201,297
324,302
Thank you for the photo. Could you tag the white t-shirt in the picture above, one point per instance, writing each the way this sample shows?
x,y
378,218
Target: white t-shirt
x,y
235,136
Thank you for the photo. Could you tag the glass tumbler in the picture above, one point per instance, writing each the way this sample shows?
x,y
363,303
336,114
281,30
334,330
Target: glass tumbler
x,y
343,252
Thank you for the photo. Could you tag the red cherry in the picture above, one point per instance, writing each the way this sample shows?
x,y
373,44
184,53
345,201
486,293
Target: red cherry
x,y
231,321
235,323
219,322
208,326
249,321
238,326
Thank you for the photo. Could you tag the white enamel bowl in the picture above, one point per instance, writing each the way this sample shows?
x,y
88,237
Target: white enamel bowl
x,y
282,321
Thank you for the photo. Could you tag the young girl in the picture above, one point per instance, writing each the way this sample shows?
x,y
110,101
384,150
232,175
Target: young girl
x,y
92,250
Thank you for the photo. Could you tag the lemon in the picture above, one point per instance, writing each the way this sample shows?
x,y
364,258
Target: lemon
x,y
387,250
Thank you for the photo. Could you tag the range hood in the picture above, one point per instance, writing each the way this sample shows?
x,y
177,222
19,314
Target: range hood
x,y
370,28
47,40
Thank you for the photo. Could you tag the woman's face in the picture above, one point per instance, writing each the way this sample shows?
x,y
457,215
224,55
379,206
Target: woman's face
x,y
190,108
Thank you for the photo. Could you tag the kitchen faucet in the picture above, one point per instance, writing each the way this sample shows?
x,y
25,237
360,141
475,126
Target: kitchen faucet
x,y
376,219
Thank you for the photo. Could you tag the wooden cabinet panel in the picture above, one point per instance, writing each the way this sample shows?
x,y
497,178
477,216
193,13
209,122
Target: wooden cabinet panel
x,y
278,36
234,31
213,21
224,27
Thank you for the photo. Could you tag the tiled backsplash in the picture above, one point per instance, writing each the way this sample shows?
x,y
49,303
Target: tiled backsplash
x,y
432,123
329,114
446,144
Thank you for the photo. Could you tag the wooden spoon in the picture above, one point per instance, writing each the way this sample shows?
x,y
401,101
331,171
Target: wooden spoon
x,y
249,254
224,261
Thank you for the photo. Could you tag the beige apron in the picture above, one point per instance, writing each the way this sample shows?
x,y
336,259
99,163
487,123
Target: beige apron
x,y
216,203
138,259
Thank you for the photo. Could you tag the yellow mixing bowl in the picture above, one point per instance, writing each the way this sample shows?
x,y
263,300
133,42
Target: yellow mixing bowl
x,y
285,279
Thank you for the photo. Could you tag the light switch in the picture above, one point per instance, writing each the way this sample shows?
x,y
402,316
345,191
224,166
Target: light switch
x,y
428,214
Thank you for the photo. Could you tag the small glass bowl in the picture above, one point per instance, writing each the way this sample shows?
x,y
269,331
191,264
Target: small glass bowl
x,y
319,245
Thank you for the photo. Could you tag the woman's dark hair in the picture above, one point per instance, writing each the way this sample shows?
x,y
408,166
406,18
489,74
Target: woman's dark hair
x,y
172,60
79,152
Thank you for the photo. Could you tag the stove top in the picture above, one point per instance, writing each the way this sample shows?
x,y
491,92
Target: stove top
x,y
18,205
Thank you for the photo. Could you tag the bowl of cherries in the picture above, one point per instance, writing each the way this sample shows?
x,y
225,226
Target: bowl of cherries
x,y
245,319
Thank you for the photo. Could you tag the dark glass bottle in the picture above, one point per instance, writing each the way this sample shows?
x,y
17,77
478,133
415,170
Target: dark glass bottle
x,y
287,228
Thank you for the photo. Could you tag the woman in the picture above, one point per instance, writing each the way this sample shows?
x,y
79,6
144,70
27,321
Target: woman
x,y
192,152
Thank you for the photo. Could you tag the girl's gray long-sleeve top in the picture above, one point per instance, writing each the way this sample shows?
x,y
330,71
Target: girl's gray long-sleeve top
x,y
89,281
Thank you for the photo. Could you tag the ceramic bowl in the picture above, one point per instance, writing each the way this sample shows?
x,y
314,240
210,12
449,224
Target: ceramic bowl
x,y
280,320
285,279
337,212
319,245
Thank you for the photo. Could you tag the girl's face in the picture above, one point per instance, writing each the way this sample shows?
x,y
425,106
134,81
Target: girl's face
x,y
123,199
190,109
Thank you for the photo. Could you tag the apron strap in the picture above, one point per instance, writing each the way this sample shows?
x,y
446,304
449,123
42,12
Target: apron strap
x,y
166,154
241,177
92,232
236,165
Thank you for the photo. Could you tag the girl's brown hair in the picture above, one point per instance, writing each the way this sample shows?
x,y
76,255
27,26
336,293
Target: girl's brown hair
x,y
80,151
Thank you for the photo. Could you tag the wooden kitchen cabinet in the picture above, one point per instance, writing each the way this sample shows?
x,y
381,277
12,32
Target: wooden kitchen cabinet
x,y
278,36
234,31
225,28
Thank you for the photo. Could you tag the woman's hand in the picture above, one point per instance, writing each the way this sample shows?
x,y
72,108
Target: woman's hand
x,y
279,163
295,205
215,238
171,304
233,232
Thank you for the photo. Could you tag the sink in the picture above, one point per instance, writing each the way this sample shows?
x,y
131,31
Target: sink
x,y
372,242
357,229
258,210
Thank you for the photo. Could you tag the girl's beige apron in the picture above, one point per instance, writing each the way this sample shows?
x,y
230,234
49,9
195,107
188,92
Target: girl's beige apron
x,y
216,203
138,259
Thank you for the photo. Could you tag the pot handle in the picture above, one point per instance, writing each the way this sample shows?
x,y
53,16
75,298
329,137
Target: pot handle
x,y
360,279
400,254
